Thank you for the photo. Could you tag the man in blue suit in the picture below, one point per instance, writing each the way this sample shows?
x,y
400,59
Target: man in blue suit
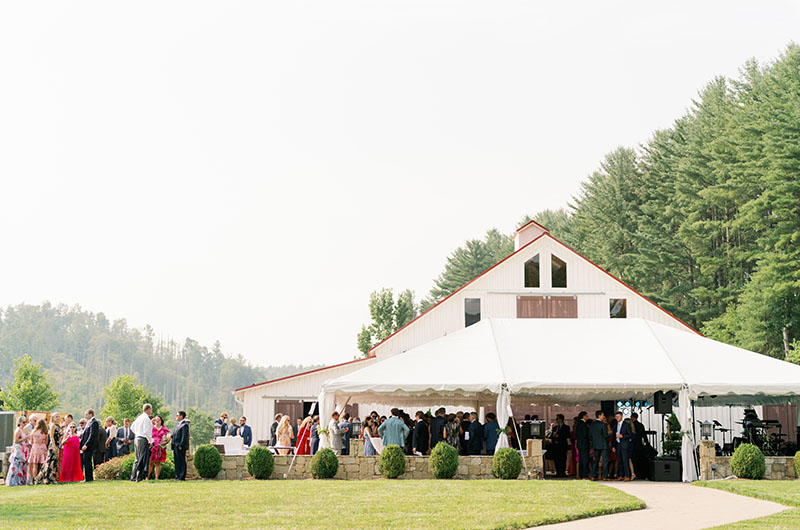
x,y
245,432
345,427
125,438
624,439
180,444
490,434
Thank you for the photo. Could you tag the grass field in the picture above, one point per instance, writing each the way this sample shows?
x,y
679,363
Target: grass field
x,y
781,491
376,504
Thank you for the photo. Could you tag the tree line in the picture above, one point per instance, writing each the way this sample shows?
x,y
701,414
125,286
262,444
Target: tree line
x,y
703,218
84,352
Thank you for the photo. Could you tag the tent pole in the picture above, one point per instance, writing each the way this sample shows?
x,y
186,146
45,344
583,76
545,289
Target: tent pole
x,y
694,437
519,442
297,446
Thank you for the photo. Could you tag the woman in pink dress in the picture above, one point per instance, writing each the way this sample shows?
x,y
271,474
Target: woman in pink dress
x,y
158,453
71,461
38,455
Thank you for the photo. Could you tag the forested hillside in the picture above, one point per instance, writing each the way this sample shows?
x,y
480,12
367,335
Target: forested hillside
x,y
703,218
84,351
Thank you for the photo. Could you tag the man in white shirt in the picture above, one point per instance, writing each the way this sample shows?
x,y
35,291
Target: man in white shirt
x,y
142,428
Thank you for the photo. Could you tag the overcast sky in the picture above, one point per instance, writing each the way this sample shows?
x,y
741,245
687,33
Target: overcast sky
x,y
251,171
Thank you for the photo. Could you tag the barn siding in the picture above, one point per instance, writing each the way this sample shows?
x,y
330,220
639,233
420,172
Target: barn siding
x,y
498,290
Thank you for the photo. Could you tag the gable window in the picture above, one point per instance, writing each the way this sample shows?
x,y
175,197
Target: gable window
x,y
472,311
559,272
618,308
532,272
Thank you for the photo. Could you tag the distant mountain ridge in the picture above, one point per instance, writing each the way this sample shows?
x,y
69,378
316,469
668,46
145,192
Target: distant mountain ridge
x,y
84,351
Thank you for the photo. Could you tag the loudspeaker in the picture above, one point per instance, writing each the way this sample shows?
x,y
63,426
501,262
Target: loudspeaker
x,y
667,470
608,409
662,402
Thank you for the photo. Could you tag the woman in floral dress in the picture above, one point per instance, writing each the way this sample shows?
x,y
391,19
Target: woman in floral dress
x,y
158,453
38,454
18,463
49,473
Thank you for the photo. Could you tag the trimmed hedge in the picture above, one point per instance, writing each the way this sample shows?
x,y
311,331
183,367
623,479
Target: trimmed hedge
x,y
260,462
444,461
797,464
207,461
111,469
126,470
748,462
506,464
392,462
324,464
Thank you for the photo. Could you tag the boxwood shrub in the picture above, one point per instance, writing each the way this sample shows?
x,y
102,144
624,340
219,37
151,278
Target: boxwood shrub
x,y
797,464
260,462
506,464
444,460
748,462
324,464
392,462
207,461
126,469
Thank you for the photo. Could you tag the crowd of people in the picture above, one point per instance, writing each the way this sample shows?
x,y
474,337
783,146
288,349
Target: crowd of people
x,y
417,435
63,451
601,448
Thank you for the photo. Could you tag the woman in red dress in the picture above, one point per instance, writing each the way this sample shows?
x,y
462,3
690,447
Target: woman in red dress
x,y
71,462
304,437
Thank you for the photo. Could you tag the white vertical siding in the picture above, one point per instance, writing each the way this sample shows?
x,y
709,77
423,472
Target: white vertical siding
x,y
498,290
259,401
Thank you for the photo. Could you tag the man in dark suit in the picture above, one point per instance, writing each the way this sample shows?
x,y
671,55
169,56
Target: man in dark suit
x,y
100,447
639,440
624,438
598,433
125,438
421,437
245,432
490,434
462,438
273,437
180,445
89,444
559,445
437,427
475,435
582,444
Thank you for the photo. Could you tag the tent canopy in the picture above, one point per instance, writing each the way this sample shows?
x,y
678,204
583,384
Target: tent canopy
x,y
571,361
568,361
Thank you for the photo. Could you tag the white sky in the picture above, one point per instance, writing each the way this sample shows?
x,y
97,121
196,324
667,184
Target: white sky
x,y
251,171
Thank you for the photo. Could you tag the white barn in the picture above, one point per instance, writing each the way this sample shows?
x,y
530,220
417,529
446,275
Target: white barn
x,y
542,278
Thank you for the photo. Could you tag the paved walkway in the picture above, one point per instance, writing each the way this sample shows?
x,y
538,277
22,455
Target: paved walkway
x,y
677,506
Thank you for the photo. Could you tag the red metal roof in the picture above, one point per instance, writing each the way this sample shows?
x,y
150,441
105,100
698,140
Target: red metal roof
x,y
531,222
304,373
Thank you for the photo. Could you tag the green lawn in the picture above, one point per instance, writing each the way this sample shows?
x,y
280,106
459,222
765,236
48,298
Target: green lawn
x,y
417,504
781,491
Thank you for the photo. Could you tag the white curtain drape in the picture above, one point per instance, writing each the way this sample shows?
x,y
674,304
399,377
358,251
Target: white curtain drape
x,y
503,413
688,445
326,407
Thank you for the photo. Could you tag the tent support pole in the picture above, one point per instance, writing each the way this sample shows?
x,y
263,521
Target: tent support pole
x,y
294,456
519,442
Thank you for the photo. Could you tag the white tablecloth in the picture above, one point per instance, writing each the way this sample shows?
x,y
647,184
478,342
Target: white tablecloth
x,y
234,445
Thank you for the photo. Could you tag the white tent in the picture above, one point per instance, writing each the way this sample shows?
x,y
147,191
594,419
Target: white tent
x,y
570,361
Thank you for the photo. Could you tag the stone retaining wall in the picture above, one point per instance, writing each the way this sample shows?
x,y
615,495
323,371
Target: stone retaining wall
x,y
366,467
714,467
